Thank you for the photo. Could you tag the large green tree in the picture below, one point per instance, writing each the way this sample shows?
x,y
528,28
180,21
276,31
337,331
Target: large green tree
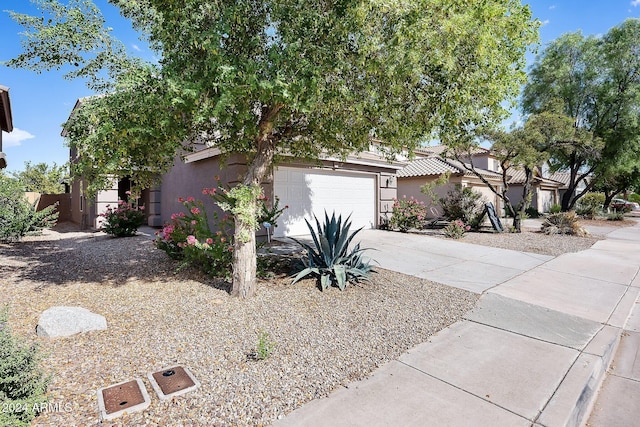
x,y
42,178
597,81
272,78
517,150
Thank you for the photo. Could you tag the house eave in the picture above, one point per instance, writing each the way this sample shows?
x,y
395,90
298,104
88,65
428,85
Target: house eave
x,y
214,152
6,119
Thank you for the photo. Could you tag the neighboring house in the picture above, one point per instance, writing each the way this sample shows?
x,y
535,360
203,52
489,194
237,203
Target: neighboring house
x,y
545,192
429,166
6,120
564,178
362,186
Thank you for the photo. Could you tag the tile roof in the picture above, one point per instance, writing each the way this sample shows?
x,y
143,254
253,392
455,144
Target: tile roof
x,y
518,177
430,166
441,150
426,167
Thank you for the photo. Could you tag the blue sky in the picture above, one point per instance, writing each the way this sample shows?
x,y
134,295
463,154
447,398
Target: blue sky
x,y
42,102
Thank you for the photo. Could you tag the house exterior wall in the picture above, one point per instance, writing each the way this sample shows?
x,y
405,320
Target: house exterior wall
x,y
542,196
188,179
410,187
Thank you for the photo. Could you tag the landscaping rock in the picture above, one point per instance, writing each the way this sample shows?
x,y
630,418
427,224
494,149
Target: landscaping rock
x,y
65,321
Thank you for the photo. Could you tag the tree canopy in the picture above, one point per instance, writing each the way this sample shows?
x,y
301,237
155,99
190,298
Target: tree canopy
x,y
273,78
42,178
595,83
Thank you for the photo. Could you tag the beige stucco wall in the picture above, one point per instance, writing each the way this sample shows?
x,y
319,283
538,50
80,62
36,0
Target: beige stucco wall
x,y
188,179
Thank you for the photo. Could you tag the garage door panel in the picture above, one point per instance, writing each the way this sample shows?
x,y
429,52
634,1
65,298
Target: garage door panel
x,y
309,192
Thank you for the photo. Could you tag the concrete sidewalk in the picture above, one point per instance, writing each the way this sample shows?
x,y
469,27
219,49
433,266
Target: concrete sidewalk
x,y
532,353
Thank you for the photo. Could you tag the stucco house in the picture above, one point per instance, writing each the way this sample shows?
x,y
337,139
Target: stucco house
x,y
6,120
545,192
430,163
362,185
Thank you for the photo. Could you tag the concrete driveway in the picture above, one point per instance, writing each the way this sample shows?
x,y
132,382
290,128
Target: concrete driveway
x,y
533,352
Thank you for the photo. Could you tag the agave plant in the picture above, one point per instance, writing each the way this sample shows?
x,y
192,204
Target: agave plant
x,y
330,259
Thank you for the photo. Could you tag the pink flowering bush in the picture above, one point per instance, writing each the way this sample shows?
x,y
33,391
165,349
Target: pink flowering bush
x,y
123,220
456,229
188,238
407,213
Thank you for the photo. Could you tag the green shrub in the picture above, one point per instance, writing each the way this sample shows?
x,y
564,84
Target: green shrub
x,y
563,223
22,383
465,204
532,212
407,213
330,259
189,238
18,217
456,229
555,208
265,346
615,216
123,220
634,197
590,205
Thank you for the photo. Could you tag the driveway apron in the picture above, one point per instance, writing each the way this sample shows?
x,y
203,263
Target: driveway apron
x,y
533,352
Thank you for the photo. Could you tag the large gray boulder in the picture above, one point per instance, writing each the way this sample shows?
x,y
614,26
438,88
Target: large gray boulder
x,y
65,321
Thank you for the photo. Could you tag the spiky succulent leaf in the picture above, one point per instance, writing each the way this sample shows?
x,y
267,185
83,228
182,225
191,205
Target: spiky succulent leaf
x,y
331,259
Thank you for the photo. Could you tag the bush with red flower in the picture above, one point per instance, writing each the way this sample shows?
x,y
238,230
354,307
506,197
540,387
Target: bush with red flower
x,y
188,237
407,214
123,220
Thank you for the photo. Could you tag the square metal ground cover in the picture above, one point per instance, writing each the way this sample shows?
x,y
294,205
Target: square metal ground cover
x,y
127,396
173,381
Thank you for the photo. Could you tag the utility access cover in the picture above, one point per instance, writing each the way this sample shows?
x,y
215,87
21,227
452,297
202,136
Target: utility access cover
x,y
174,381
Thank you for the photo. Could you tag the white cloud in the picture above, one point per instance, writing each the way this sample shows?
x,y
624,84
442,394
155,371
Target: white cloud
x,y
545,22
635,3
136,48
553,6
15,138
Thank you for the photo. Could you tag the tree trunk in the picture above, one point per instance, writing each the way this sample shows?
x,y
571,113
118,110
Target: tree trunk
x,y
244,261
517,222
244,256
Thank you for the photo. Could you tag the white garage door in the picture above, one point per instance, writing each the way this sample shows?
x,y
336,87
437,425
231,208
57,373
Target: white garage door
x,y
309,191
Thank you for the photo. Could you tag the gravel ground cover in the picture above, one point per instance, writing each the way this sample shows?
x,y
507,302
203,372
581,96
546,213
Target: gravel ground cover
x,y
157,318
532,240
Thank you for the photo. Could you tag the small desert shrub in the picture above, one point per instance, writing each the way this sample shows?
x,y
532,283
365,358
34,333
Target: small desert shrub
x,y
407,213
456,229
555,208
18,217
265,346
590,205
615,216
563,223
330,258
464,204
123,220
22,382
532,212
